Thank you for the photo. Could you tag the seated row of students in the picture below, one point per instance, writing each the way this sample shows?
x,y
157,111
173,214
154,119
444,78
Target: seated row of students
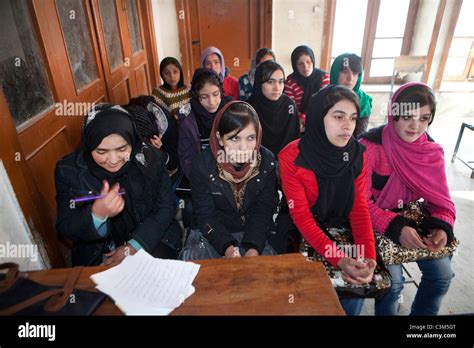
x,y
326,175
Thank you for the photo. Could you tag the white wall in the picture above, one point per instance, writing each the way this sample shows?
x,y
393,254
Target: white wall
x,y
16,241
166,28
296,22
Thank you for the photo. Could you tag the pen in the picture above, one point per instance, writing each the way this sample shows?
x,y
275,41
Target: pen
x,y
92,198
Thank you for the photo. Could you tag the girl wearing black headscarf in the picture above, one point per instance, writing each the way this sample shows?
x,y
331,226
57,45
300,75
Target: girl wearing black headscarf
x,y
137,208
323,178
276,111
196,118
305,80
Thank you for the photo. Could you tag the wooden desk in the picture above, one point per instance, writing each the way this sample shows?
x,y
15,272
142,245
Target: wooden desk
x,y
263,285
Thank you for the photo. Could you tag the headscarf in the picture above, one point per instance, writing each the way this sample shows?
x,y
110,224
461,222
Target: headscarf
x,y
150,119
238,175
101,121
364,99
214,50
418,167
278,118
253,67
164,63
312,83
335,167
203,117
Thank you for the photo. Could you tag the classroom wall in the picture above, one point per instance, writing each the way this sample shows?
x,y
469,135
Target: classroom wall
x,y
296,23
166,29
16,241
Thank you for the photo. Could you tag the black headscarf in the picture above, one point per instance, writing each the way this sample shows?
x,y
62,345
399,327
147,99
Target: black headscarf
x,y
310,84
335,167
101,121
280,124
164,63
203,117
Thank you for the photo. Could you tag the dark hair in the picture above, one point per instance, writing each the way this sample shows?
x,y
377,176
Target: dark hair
x,y
268,69
355,63
338,93
201,77
238,116
144,120
416,95
164,63
262,52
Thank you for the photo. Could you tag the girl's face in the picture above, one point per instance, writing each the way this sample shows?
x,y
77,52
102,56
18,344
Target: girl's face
x,y
304,65
213,62
340,122
171,75
347,77
412,124
273,88
210,97
239,147
112,153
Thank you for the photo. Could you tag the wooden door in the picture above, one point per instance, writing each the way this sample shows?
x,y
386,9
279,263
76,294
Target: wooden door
x,y
237,27
124,57
49,76
53,68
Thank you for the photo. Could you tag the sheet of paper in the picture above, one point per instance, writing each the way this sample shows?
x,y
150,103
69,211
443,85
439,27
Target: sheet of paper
x,y
143,285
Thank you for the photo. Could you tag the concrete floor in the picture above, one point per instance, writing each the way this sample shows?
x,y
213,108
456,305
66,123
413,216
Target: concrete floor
x,y
452,110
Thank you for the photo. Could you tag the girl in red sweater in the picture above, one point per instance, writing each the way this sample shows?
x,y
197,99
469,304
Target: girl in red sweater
x,y
323,178
213,59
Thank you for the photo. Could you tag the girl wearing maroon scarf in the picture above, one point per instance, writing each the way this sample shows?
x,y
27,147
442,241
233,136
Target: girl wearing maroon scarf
x,y
404,164
233,186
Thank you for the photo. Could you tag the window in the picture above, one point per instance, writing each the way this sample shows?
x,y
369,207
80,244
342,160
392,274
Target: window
x,y
74,25
376,30
134,26
23,76
108,13
459,65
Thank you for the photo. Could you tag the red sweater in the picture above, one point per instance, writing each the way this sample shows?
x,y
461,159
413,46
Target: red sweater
x,y
301,191
295,92
231,87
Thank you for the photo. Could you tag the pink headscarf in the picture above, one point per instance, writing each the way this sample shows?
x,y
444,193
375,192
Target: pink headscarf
x,y
418,167
214,50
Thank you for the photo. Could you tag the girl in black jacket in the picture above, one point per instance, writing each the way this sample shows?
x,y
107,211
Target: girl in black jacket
x,y
234,189
138,207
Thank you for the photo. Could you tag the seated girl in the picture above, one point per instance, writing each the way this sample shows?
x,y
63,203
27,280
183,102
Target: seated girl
x,y
305,80
156,127
212,58
233,189
196,118
277,112
323,178
403,165
173,93
246,81
347,70
138,206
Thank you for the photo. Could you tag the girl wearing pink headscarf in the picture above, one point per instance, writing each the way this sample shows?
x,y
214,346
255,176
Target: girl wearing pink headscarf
x,y
404,164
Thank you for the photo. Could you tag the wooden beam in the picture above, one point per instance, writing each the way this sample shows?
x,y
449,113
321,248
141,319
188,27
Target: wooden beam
x,y
434,38
328,33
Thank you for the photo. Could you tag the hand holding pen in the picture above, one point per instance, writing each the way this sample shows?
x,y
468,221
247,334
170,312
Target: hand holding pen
x,y
111,203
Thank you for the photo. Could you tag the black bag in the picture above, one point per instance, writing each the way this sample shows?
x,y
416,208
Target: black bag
x,y
342,237
22,296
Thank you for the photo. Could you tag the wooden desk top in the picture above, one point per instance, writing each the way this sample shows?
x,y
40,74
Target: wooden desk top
x,y
263,285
